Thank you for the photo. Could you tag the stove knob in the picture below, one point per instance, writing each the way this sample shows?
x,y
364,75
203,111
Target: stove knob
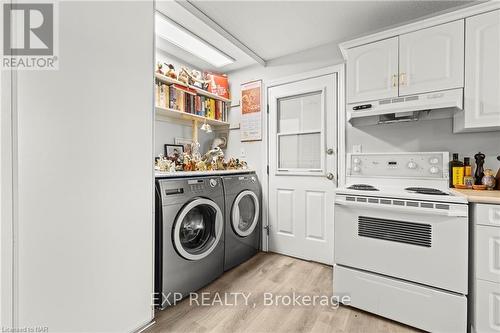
x,y
412,165
434,160
213,182
356,169
434,170
356,161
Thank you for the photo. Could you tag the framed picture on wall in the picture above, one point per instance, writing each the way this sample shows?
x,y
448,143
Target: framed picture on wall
x,y
186,143
173,151
251,111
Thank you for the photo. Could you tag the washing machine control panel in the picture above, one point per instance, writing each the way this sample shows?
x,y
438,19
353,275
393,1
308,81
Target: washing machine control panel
x,y
201,185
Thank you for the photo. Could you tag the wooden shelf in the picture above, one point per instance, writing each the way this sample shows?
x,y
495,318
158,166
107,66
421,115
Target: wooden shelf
x,y
199,91
176,114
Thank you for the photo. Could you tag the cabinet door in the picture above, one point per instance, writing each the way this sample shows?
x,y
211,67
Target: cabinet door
x,y
372,71
482,71
487,307
487,253
432,59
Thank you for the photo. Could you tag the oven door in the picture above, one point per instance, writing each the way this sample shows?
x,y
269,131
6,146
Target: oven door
x,y
416,241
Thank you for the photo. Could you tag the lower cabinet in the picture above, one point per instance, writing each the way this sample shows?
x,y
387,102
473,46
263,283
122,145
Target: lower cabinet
x,y
485,291
487,307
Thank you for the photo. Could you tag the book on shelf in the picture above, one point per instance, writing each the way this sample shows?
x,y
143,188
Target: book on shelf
x,y
185,99
218,84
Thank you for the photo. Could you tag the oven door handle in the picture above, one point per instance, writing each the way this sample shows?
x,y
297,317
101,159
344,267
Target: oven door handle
x,y
454,211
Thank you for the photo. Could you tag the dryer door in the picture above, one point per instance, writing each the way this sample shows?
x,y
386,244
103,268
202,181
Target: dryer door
x,y
245,213
197,229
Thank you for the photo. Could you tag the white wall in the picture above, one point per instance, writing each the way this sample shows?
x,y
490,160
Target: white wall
x,y
167,131
6,193
84,187
426,135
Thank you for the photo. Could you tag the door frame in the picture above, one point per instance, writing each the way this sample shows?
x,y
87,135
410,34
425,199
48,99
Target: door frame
x,y
339,70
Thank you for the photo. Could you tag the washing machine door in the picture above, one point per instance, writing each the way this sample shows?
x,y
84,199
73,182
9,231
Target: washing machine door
x,y
245,213
198,229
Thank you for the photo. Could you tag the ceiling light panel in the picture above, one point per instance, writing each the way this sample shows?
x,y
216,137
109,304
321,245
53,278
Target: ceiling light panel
x,y
177,35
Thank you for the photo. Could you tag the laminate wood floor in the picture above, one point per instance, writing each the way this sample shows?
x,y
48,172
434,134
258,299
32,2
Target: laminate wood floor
x,y
279,275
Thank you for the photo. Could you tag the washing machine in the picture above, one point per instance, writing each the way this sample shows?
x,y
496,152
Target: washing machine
x,y
189,236
242,218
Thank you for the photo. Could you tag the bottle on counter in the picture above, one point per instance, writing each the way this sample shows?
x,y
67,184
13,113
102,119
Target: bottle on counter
x,y
468,179
456,170
488,179
479,174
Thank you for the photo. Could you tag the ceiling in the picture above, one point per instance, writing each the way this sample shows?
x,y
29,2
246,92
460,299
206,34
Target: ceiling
x,y
273,29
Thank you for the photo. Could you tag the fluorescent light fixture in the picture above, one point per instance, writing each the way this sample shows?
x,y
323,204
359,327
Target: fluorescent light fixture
x,y
177,35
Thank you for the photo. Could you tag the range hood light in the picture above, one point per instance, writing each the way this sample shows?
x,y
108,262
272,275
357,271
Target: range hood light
x,y
184,39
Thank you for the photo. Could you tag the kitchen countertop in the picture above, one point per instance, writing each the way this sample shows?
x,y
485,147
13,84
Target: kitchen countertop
x,y
159,174
485,196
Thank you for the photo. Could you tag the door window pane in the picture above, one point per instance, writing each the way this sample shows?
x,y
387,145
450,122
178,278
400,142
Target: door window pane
x,y
300,113
299,151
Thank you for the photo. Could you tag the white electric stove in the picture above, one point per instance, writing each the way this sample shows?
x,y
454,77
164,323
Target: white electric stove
x,y
401,240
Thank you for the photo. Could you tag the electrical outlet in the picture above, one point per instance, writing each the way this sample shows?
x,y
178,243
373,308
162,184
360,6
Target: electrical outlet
x,y
356,149
243,153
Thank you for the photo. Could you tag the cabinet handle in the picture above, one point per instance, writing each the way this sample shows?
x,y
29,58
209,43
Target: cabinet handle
x,y
394,80
402,79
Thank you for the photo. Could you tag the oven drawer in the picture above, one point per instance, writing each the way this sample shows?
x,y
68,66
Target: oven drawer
x,y
485,214
422,307
487,307
425,248
487,253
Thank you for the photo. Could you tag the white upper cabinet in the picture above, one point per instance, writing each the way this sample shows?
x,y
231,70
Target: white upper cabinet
x,y
372,71
482,74
432,59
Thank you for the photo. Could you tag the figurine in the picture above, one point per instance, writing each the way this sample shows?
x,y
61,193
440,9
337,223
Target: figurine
x,y
186,163
195,151
219,163
488,179
183,75
171,71
213,154
159,68
163,164
478,175
201,166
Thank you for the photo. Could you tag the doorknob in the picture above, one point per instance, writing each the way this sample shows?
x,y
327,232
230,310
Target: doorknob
x,y
330,151
330,176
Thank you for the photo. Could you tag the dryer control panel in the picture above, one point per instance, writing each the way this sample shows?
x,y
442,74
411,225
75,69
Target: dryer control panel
x,y
177,190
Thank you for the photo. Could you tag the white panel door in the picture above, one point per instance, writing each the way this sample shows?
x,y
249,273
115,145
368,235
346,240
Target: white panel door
x,y
482,71
372,71
302,167
432,59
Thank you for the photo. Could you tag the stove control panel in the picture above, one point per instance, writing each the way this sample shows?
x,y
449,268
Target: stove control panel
x,y
414,165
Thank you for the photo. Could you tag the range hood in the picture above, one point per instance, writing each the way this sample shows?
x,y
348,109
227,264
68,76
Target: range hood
x,y
406,108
